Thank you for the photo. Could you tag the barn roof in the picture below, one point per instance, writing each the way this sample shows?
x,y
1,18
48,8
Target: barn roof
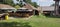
x,y
38,8
4,6
29,6
47,8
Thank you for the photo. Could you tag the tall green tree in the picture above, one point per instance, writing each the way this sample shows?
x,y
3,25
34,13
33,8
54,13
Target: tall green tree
x,y
9,2
27,1
52,5
17,0
20,3
1,1
32,3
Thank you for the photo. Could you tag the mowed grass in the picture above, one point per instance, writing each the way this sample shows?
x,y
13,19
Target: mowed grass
x,y
37,21
45,22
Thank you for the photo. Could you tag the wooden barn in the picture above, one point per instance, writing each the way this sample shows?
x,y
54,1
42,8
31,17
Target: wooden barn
x,y
26,11
30,7
48,10
6,9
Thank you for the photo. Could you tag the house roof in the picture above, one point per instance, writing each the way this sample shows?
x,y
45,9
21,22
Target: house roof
x,y
29,6
38,8
4,6
47,8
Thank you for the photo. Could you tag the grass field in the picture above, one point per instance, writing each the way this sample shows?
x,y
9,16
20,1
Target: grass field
x,y
35,21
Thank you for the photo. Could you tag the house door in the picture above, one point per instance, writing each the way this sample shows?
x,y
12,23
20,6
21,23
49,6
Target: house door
x,y
36,12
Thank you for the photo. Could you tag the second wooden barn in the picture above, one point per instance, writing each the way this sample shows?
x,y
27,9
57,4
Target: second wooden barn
x,y
27,10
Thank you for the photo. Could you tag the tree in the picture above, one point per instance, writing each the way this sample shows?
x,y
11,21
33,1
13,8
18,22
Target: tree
x,y
27,1
1,0
9,2
17,0
17,6
34,4
21,4
52,5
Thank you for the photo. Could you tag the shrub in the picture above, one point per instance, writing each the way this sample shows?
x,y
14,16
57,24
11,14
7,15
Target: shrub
x,y
40,16
14,24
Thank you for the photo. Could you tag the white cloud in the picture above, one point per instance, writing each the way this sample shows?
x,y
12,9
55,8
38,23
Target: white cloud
x,y
45,0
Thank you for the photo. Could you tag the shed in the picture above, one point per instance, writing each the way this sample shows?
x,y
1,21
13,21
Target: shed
x,y
48,10
30,7
6,8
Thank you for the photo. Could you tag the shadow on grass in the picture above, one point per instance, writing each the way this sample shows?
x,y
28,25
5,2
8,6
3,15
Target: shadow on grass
x,y
53,16
14,24
18,17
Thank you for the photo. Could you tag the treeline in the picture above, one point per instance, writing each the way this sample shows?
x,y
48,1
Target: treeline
x,y
32,3
11,2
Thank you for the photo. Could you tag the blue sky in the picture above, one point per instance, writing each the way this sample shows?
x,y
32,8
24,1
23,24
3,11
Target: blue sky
x,y
42,2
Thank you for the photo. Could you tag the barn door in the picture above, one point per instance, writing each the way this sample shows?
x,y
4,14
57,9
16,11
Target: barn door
x,y
36,12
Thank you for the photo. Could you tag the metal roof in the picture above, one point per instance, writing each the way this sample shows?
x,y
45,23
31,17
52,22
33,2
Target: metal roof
x,y
22,8
7,8
29,6
4,6
48,8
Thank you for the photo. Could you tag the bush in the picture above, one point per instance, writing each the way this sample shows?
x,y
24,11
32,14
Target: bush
x,y
40,16
14,24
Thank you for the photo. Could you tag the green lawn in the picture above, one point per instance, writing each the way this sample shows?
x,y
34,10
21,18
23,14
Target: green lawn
x,y
35,21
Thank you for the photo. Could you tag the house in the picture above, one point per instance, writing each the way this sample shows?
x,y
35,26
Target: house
x,y
27,10
23,12
30,7
48,10
4,8
39,9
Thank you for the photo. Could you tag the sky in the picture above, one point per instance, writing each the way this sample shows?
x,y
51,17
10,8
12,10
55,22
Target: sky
x,y
42,2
